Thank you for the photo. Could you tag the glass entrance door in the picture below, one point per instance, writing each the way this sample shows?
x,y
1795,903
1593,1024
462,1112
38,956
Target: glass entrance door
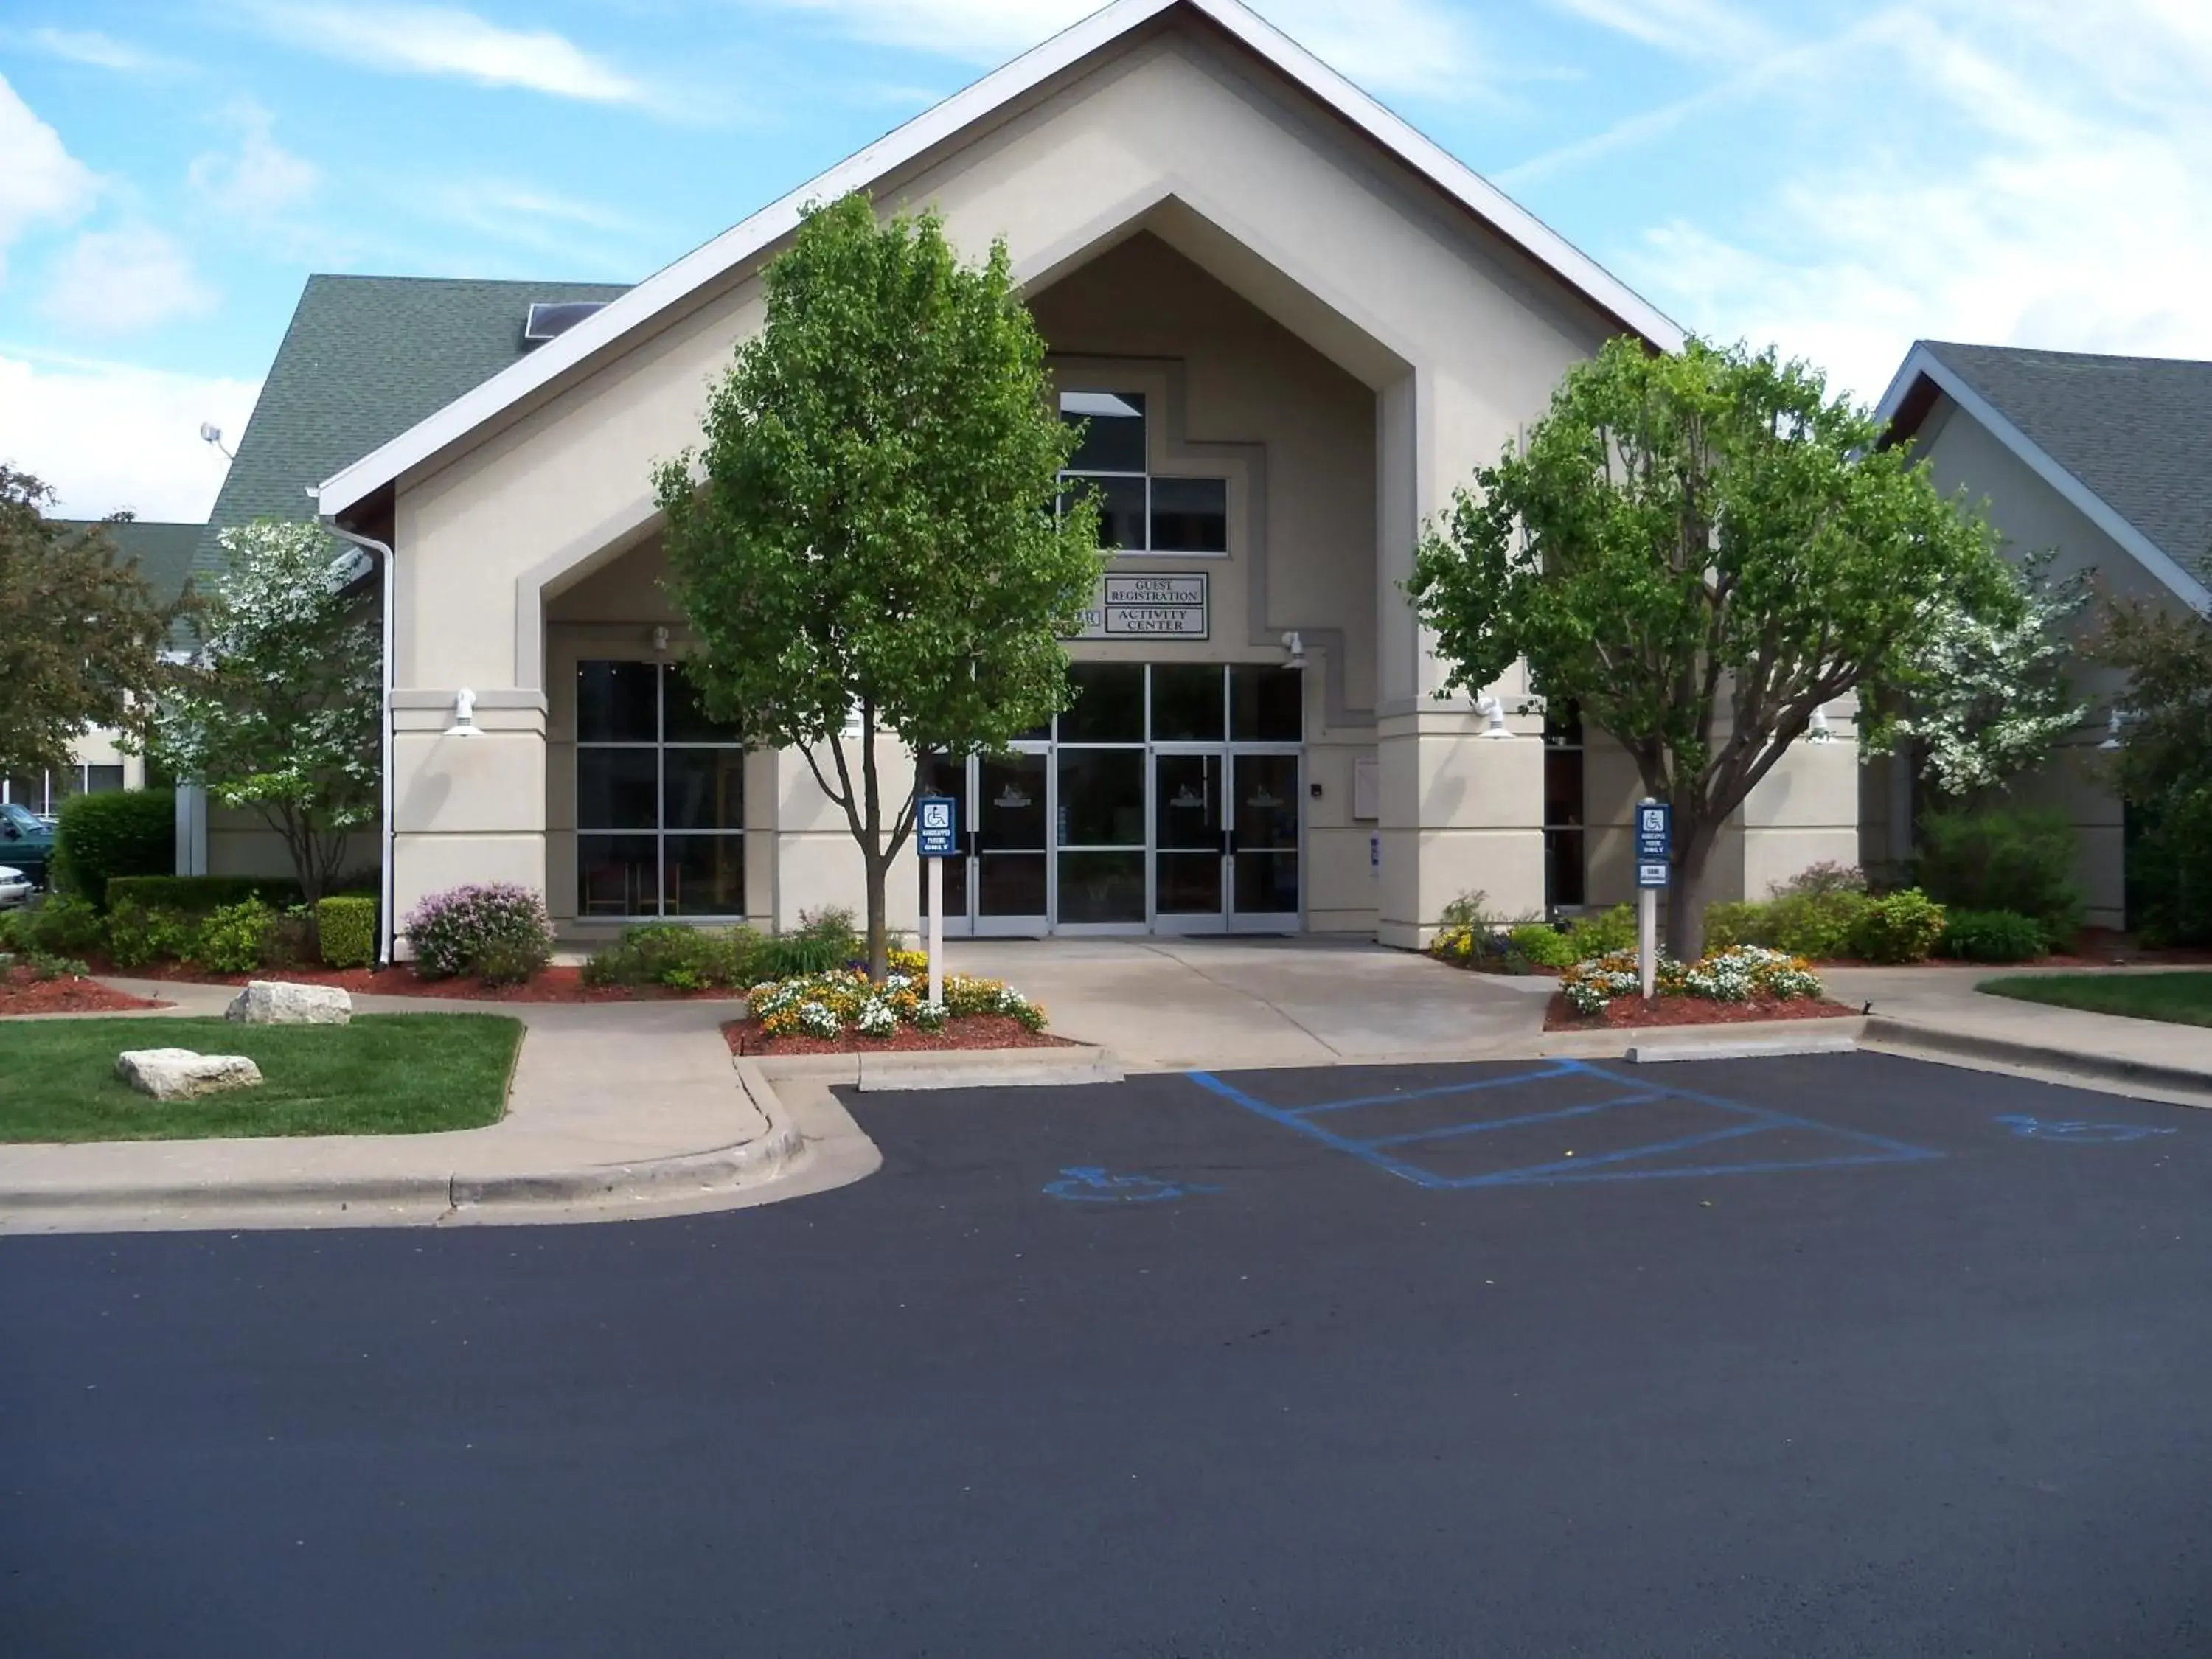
x,y
1011,847
1191,841
1263,843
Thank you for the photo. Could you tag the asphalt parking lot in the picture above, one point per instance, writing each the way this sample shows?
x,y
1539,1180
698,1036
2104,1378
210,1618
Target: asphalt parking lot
x,y
1831,1355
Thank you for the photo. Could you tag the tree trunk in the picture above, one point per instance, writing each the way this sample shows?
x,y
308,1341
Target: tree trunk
x,y
1685,906
879,871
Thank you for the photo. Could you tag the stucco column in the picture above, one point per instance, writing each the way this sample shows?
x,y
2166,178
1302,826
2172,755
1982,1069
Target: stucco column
x,y
1805,811
467,809
808,859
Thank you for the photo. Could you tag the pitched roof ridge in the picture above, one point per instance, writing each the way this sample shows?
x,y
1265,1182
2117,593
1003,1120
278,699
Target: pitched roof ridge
x,y
2052,353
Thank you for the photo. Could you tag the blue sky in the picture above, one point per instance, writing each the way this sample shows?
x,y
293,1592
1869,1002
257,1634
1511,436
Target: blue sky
x,y
1838,178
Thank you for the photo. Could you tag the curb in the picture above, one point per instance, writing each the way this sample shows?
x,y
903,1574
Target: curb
x,y
1772,1047
776,1152
1940,1044
946,1068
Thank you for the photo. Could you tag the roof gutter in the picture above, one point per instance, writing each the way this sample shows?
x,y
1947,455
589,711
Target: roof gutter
x,y
381,553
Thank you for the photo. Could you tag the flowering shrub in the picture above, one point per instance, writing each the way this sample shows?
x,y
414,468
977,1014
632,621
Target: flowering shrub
x,y
1739,973
828,1005
498,931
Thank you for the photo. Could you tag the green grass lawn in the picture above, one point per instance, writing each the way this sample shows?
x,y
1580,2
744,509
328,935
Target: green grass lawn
x,y
2184,998
385,1075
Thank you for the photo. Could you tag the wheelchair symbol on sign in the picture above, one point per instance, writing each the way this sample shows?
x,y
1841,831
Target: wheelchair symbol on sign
x,y
1085,1185
2079,1133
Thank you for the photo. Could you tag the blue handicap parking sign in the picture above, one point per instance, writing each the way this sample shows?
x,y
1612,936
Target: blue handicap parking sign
x,y
1655,842
937,826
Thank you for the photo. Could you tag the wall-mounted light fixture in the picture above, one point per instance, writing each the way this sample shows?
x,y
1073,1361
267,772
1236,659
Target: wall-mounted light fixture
x,y
1296,645
465,715
1816,729
660,641
2112,724
1493,711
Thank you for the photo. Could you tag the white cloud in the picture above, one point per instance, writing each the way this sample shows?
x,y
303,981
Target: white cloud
x,y
114,281
98,51
1417,45
542,220
442,40
2058,196
1687,28
112,436
260,177
40,180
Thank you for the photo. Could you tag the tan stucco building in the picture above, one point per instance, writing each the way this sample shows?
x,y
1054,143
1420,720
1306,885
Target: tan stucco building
x,y
2098,462
1294,326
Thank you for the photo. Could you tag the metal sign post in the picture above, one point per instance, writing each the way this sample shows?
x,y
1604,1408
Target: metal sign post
x,y
937,835
1654,850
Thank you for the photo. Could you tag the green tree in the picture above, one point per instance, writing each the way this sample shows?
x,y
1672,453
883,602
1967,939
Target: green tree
x,y
80,632
866,543
2164,767
279,711
1699,550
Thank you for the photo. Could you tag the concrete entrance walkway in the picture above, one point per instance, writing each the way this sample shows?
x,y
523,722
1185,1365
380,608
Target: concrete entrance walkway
x,y
1178,1004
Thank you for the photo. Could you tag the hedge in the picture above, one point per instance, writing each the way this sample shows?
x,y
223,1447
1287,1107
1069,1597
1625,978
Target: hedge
x,y
196,895
121,833
346,929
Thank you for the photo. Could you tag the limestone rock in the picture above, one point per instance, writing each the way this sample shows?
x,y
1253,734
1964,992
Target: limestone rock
x,y
181,1074
279,1002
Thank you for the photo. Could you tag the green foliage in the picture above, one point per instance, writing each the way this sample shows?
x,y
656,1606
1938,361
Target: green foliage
x,y
2164,769
867,538
680,958
1603,934
195,895
1734,922
280,713
138,935
1992,936
1539,946
2018,860
345,932
1698,543
1897,927
64,924
824,940
1813,924
1828,876
234,940
128,832
80,632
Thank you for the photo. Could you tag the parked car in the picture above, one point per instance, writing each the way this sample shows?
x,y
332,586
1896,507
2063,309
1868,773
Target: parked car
x,y
27,842
14,887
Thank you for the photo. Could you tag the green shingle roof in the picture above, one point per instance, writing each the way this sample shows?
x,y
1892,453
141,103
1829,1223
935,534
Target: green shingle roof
x,y
164,551
365,358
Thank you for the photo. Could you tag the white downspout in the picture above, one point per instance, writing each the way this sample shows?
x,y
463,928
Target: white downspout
x,y
385,921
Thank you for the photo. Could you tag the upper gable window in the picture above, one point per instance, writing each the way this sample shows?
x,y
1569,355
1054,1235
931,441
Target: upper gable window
x,y
1137,511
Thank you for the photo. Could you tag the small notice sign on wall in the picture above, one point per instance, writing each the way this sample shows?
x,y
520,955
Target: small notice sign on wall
x,y
1133,607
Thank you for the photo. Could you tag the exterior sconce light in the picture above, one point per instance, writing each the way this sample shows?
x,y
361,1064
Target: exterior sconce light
x,y
659,641
1296,646
1493,714
465,715
2112,732
1816,729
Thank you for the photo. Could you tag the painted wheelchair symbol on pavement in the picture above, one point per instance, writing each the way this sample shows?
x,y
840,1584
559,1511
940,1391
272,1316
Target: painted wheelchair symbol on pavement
x,y
2077,1132
1088,1185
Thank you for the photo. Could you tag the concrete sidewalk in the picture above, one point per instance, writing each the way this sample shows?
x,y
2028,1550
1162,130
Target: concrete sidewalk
x,y
617,1109
1933,1012
1163,1003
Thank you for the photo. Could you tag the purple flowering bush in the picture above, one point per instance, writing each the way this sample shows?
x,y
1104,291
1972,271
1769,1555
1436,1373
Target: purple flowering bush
x,y
499,932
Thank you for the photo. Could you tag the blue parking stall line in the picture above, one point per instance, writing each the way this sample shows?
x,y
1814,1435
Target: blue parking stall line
x,y
1897,1149
1644,1099
1574,1166
1566,1068
1289,1120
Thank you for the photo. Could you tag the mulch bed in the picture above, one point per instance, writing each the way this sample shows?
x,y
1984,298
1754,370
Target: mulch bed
x,y
553,985
965,1031
1629,1012
22,992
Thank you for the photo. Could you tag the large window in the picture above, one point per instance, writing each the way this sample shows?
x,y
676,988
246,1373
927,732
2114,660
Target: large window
x,y
660,800
43,792
1139,512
